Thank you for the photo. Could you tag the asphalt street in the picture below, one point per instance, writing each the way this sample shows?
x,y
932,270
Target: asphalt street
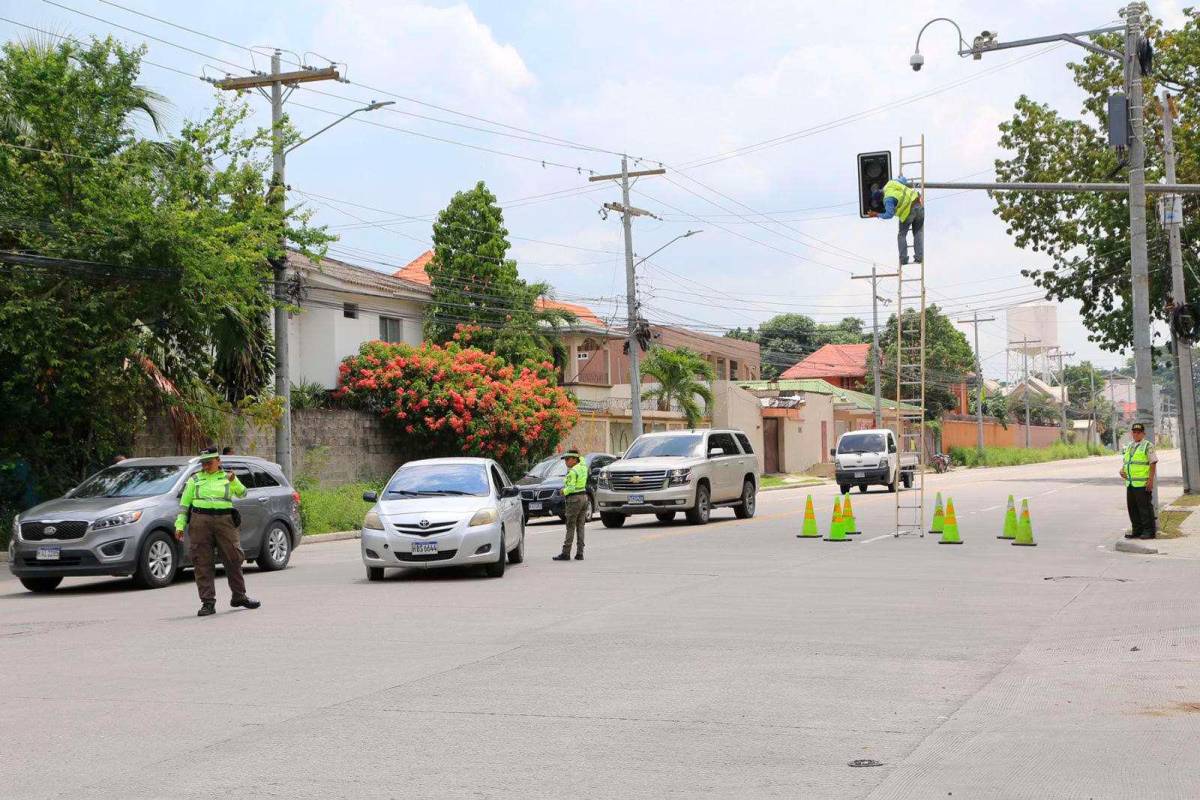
x,y
731,660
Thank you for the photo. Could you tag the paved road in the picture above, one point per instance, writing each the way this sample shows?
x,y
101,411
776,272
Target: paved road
x,y
730,660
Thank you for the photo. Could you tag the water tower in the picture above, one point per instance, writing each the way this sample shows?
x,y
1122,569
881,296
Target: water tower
x,y
1032,334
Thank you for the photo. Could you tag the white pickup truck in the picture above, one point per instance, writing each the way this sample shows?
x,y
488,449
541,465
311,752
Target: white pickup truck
x,y
869,458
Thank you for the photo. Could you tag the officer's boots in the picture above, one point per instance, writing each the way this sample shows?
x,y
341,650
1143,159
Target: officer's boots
x,y
244,602
565,555
579,554
207,609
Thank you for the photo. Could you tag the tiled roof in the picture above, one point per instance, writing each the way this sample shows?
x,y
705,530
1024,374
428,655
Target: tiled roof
x,y
832,361
354,275
582,313
415,270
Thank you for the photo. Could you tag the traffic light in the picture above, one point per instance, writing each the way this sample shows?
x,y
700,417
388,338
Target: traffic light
x,y
874,170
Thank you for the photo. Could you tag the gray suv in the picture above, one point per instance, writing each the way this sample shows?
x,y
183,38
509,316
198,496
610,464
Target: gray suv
x,y
121,520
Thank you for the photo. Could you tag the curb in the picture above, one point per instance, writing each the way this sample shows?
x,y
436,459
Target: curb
x,y
792,486
1130,546
338,536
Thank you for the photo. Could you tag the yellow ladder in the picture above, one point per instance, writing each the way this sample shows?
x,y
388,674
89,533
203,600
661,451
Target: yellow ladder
x,y
910,362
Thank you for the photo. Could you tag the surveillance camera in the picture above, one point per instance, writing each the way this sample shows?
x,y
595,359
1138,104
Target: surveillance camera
x,y
916,61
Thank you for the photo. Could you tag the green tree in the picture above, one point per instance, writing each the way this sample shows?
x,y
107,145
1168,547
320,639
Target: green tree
x,y
681,377
949,359
1087,235
156,250
475,284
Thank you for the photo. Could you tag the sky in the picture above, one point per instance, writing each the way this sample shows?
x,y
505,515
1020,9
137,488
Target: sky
x,y
530,96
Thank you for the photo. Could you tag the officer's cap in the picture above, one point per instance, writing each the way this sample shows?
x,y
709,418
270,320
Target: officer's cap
x,y
209,453
572,454
1138,428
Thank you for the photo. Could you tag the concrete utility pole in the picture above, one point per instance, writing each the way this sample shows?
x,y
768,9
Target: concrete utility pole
x,y
1189,439
1025,342
1062,387
975,320
277,80
874,278
1092,406
628,212
1115,435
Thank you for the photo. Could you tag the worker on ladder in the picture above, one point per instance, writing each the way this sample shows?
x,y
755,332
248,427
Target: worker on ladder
x,y
904,203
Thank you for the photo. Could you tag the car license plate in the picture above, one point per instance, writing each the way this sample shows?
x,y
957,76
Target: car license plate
x,y
48,553
637,498
424,548
535,506
860,474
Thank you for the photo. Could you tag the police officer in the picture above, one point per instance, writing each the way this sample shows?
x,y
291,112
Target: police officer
x,y
575,501
206,510
1139,463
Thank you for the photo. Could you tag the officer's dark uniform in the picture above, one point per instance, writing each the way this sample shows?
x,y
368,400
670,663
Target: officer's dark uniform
x,y
1137,468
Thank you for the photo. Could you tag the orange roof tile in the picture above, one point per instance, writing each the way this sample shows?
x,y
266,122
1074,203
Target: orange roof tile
x,y
832,361
415,270
582,313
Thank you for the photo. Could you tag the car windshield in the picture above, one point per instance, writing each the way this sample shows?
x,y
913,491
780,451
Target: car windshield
x,y
421,480
655,446
118,481
550,468
861,443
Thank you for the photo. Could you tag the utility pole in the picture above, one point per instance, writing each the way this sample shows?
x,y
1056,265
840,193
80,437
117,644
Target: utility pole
x,y
975,320
1025,342
1092,404
276,80
874,278
1114,434
1189,439
628,212
1062,388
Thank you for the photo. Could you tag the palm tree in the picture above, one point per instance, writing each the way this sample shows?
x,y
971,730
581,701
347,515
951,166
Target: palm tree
x,y
682,375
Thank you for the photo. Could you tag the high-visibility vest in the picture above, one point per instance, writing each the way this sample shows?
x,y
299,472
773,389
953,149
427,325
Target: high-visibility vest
x,y
1137,464
576,481
208,490
904,196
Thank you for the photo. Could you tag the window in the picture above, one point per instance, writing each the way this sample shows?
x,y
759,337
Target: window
x,y
724,442
264,479
432,480
666,446
499,479
242,473
861,443
733,370
745,441
350,310
391,329
121,481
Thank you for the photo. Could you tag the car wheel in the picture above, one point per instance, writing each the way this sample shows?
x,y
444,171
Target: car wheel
x,y
699,514
276,548
895,482
590,510
374,573
665,516
908,480
496,569
745,509
157,563
611,520
517,554
862,487
843,488
41,585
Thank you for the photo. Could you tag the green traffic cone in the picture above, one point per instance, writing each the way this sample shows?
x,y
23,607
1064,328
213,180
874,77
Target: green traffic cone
x,y
837,527
1010,521
848,520
939,519
809,531
1025,528
950,526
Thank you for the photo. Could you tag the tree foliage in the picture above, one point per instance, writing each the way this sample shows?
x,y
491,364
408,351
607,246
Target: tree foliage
x,y
681,377
1087,234
174,237
949,359
455,399
476,284
786,339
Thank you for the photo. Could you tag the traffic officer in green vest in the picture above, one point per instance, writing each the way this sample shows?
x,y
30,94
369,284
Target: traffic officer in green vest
x,y
904,203
576,502
206,511
1139,464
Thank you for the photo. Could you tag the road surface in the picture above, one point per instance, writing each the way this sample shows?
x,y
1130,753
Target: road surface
x,y
727,661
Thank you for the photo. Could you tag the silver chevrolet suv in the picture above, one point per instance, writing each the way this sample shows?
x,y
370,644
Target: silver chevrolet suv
x,y
691,471
121,520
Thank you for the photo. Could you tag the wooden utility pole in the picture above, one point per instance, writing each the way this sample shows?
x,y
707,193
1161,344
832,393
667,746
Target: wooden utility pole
x,y
875,355
628,212
276,80
975,320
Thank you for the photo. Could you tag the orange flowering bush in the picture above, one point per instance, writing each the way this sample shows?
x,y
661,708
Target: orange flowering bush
x,y
455,399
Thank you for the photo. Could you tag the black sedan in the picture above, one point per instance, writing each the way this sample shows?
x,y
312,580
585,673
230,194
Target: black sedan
x,y
541,488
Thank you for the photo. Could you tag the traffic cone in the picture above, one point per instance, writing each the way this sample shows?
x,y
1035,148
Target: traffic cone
x,y
1025,528
938,517
848,517
809,531
837,527
1010,521
950,525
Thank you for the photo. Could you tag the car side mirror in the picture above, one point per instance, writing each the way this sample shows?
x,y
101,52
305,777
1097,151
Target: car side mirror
x,y
715,451
510,491
833,451
370,497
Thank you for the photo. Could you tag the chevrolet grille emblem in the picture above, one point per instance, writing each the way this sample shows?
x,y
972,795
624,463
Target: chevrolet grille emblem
x,y
636,479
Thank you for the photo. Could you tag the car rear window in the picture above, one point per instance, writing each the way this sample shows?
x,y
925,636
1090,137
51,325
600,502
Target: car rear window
x,y
263,479
745,441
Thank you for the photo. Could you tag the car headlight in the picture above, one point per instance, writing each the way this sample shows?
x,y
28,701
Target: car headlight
x,y
678,477
117,519
602,480
372,521
484,516
883,463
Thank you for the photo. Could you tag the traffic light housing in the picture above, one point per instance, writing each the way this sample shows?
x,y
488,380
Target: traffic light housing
x,y
874,170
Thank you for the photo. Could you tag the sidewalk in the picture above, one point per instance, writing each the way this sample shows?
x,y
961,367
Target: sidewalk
x,y
1178,531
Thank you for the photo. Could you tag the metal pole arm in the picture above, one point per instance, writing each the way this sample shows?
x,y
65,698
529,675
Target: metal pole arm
x,y
1074,38
1152,188
340,119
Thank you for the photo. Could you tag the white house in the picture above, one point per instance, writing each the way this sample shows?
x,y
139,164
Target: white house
x,y
344,305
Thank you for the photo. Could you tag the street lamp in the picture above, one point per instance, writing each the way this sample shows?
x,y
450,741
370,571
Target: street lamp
x,y
668,244
373,105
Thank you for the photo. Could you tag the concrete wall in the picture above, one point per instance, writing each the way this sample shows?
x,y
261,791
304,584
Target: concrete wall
x,y
734,407
333,446
964,433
